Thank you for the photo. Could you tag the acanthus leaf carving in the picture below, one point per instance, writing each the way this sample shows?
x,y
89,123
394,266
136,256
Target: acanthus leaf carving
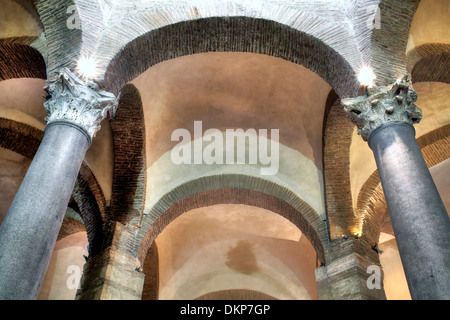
x,y
82,103
381,105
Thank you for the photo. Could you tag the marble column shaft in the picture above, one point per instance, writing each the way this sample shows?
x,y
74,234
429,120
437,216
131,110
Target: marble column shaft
x,y
418,215
385,117
29,231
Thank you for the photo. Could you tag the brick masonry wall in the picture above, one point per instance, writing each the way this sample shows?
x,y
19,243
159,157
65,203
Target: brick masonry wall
x,y
233,196
70,226
20,61
129,180
232,34
433,67
89,198
389,42
151,271
423,51
337,140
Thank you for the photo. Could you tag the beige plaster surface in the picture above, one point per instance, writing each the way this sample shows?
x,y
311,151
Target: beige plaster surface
x,y
235,247
395,285
430,24
296,173
233,90
65,268
441,177
24,95
15,21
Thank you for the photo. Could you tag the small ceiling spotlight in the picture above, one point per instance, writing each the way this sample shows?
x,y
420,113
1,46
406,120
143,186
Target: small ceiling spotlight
x,y
87,67
366,77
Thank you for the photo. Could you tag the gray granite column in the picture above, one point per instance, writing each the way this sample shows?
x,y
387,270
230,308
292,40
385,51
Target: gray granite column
x,y
420,221
30,229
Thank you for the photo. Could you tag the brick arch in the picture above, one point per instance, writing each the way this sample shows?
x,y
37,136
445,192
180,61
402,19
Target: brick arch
x,y
388,43
429,62
129,179
19,137
231,189
70,226
19,60
337,140
25,140
435,147
236,294
231,34
89,198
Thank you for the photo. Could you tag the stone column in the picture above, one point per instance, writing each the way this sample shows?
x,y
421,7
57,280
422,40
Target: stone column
x,y
30,229
384,118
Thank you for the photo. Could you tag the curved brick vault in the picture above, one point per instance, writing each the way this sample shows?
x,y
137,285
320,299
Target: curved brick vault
x,y
337,140
129,183
128,130
232,34
231,189
389,41
429,62
428,48
18,60
54,22
423,55
70,226
104,20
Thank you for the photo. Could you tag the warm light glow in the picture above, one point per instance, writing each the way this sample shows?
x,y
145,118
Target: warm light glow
x,y
87,68
366,76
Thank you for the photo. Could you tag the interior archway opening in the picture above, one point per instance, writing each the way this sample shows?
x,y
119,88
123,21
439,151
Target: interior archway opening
x,y
226,249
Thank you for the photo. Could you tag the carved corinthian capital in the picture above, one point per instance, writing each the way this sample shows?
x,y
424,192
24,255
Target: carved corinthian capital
x,y
82,103
381,105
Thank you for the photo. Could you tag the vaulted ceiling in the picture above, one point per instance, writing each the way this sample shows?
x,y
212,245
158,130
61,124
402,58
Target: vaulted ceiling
x,y
263,65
